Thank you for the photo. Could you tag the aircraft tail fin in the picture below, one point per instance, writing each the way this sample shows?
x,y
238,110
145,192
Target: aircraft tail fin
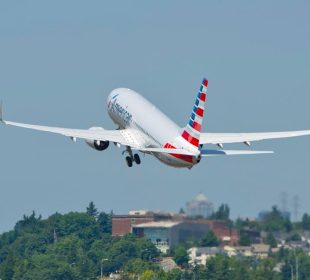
x,y
192,131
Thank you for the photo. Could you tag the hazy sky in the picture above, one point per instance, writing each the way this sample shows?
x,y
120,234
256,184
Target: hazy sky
x,y
60,59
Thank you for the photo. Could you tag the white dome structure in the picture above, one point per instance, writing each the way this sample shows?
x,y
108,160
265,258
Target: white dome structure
x,y
200,206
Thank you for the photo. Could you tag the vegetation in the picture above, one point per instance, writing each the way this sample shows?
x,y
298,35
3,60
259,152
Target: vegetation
x,y
305,222
209,240
70,246
270,240
80,246
276,221
180,255
244,239
222,213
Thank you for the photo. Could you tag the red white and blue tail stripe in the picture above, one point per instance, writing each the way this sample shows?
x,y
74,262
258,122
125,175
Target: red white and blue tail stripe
x,y
193,129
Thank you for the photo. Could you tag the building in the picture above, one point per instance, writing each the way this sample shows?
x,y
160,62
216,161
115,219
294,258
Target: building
x,y
241,251
167,264
123,224
224,233
167,229
257,250
167,234
200,255
261,250
200,206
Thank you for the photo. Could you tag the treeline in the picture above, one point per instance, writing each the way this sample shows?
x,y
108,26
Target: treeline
x,y
71,246
269,221
80,246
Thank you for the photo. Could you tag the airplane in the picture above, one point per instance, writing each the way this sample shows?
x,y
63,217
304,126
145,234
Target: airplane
x,y
141,126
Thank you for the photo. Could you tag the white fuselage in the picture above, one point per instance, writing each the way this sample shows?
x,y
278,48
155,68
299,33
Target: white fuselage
x,y
149,126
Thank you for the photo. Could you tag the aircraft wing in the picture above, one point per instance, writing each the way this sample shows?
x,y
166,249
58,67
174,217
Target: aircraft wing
x,y
124,137
226,138
100,134
116,136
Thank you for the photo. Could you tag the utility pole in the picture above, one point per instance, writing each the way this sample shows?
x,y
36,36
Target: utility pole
x,y
296,206
101,268
297,268
55,236
292,272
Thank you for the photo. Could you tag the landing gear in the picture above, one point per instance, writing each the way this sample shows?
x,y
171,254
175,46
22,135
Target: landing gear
x,y
137,159
131,157
129,161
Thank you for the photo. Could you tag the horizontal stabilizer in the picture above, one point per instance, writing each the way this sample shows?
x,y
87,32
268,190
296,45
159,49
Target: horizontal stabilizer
x,y
167,151
228,138
209,153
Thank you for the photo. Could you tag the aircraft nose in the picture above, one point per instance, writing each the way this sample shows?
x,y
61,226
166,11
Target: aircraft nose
x,y
109,100
110,97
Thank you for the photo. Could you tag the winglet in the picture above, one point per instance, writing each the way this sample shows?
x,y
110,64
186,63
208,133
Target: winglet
x,y
1,112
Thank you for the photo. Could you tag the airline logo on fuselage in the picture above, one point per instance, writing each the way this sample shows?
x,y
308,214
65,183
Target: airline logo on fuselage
x,y
118,110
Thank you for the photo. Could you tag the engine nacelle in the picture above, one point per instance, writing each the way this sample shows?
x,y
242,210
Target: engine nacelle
x,y
97,144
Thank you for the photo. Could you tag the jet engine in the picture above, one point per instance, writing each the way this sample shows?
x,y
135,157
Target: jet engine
x,y
98,144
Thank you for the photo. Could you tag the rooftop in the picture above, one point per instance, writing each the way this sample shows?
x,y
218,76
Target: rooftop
x,y
163,224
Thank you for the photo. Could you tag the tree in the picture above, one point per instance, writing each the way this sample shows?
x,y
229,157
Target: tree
x,y
240,269
305,222
265,270
180,255
294,237
46,267
147,275
29,223
80,224
209,240
244,239
7,266
276,221
199,272
91,210
270,240
241,224
147,250
223,267
175,274
222,213
138,266
105,222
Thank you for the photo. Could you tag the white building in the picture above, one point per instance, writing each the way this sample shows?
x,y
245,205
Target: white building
x,y
199,206
200,255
